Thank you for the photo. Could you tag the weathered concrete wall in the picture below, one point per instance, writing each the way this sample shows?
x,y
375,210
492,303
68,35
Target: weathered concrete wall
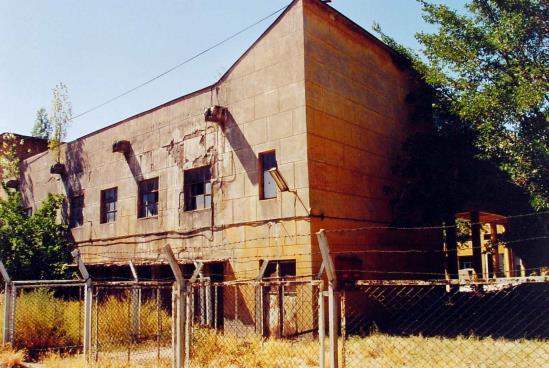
x,y
265,96
358,116
25,147
327,98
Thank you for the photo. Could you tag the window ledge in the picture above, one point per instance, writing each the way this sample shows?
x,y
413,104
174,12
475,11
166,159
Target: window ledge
x,y
148,218
197,210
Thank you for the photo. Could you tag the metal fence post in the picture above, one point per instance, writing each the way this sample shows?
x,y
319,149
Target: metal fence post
x,y
13,302
136,304
179,312
321,327
333,296
87,303
7,303
343,300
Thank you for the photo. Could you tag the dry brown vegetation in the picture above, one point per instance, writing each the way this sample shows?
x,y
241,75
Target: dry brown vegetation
x,y
59,324
215,350
10,358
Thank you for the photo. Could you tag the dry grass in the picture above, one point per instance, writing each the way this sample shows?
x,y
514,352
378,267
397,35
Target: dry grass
x,y
44,321
211,349
381,350
56,361
115,320
215,350
10,358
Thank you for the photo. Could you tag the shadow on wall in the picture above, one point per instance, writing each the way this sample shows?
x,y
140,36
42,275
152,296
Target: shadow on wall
x,y
241,147
75,163
134,164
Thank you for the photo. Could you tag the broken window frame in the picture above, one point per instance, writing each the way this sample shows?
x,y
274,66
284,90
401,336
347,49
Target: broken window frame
x,y
148,198
267,185
197,188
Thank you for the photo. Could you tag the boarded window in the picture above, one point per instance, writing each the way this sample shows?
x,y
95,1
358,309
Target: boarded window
x,y
198,188
76,211
109,198
148,198
267,185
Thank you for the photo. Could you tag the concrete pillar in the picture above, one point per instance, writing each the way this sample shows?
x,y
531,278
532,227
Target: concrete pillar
x,y
451,247
475,236
495,254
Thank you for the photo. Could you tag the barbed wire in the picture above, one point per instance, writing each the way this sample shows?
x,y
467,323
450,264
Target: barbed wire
x,y
441,227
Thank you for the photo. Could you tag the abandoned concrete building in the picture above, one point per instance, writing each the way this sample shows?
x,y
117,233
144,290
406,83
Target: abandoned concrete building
x,y
301,133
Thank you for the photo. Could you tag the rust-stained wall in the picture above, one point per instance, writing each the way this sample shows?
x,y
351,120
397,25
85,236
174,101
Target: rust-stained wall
x,y
25,147
358,116
331,102
265,95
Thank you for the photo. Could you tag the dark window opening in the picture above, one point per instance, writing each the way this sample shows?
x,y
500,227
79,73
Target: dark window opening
x,y
76,211
465,262
349,267
109,198
281,270
267,185
148,198
197,188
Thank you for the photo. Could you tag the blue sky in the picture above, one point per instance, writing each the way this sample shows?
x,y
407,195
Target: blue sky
x,y
101,48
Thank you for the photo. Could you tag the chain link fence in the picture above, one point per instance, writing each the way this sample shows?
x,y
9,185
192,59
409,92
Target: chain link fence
x,y
277,323
132,322
253,323
403,323
46,317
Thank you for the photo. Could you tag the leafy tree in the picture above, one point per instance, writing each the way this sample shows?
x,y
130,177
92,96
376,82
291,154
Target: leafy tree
x,y
42,127
492,65
35,246
9,160
61,115
489,68
487,71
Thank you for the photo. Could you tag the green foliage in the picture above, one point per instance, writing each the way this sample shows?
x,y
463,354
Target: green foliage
x,y
491,66
36,246
61,115
9,160
488,71
42,127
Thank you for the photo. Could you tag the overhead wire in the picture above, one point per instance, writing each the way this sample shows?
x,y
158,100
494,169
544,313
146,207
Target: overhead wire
x,y
177,66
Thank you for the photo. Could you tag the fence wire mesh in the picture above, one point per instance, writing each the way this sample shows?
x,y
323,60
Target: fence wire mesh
x,y
47,318
399,324
132,323
249,324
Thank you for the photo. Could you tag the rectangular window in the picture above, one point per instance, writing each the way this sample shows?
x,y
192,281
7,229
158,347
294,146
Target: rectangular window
x,y
465,262
198,188
267,185
148,198
109,198
76,211
281,270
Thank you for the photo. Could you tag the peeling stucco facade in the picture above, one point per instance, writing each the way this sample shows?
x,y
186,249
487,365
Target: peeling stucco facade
x,y
328,98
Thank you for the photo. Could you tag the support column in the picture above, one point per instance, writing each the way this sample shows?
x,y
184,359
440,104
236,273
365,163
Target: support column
x,y
451,247
179,310
495,250
88,300
8,290
333,297
475,237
